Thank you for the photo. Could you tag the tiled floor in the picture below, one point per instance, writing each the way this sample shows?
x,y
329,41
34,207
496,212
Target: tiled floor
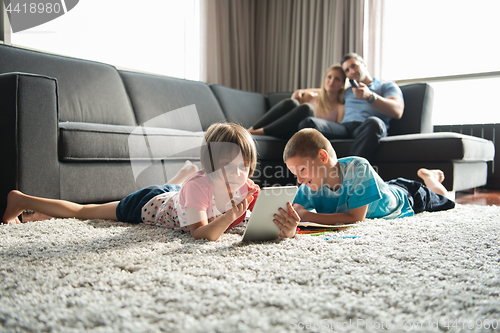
x,y
479,197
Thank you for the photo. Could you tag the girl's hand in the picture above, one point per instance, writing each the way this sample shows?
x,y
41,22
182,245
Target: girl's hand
x,y
287,221
298,95
308,97
234,212
214,229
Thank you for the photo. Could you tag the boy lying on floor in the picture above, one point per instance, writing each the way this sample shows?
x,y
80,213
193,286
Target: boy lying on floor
x,y
348,190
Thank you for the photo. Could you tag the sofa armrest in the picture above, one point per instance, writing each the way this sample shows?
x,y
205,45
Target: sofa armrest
x,y
29,135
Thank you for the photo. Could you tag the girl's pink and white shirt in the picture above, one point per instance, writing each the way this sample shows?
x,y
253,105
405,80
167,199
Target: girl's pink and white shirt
x,y
169,209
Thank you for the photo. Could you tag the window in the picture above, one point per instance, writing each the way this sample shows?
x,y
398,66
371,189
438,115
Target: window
x,y
449,39
157,36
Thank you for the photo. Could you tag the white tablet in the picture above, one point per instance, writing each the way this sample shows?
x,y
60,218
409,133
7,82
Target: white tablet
x,y
261,227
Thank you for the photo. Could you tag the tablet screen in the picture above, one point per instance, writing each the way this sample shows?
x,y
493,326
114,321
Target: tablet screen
x,y
261,227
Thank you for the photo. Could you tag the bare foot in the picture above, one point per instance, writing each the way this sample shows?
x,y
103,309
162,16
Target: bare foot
x,y
436,173
14,208
433,180
32,217
187,170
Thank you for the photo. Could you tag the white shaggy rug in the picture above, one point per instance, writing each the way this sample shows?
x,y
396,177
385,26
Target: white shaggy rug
x,y
427,273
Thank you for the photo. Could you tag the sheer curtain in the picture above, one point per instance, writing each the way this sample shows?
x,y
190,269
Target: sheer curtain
x,y
354,26
278,45
372,51
296,42
230,43
4,24
166,41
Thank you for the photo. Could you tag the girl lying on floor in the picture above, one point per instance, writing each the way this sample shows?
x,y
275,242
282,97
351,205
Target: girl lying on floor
x,y
204,202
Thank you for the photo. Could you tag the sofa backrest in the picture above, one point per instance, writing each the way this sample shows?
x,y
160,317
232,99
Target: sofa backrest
x,y
417,115
154,95
88,91
276,97
242,107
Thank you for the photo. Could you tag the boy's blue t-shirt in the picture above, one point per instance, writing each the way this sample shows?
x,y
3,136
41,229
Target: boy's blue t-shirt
x,y
360,185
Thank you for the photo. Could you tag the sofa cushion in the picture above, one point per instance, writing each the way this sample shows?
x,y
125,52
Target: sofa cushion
x,y
97,142
88,91
153,95
434,147
242,107
430,147
458,175
342,147
269,148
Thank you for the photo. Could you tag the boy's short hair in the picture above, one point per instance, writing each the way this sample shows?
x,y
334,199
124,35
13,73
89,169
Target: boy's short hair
x,y
227,139
307,143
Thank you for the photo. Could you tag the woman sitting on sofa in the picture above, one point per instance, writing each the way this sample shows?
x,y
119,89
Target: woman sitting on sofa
x,y
327,103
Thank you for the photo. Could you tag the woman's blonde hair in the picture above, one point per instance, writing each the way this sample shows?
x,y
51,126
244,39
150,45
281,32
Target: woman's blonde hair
x,y
239,140
323,106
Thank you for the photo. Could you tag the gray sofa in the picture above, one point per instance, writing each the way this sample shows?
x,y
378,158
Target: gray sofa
x,y
87,132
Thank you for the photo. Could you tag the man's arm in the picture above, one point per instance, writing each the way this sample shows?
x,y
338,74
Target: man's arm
x,y
390,106
352,216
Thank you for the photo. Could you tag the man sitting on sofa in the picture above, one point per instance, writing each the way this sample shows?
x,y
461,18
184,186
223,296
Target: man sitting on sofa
x,y
368,110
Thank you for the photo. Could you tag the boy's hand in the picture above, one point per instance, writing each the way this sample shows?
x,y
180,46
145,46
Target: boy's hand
x,y
287,221
301,211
